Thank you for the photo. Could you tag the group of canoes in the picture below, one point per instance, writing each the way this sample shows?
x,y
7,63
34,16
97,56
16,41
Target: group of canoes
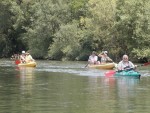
x,y
124,67
113,72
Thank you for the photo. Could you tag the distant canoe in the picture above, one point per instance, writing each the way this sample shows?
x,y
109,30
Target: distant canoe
x,y
103,66
30,64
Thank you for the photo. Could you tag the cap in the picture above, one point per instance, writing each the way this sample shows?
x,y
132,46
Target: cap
x,y
23,52
105,52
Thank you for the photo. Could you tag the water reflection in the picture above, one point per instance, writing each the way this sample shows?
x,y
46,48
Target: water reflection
x,y
126,86
26,75
123,84
119,92
58,87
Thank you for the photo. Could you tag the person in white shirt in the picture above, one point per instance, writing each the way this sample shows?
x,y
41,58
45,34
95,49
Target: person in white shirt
x,y
125,64
93,58
22,57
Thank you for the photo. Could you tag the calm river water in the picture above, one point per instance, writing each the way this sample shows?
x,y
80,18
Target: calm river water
x,y
68,87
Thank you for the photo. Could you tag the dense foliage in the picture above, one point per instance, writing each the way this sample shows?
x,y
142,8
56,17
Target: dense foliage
x,y
72,29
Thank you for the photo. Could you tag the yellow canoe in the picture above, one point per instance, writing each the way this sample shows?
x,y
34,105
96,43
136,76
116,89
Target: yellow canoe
x,y
30,64
103,66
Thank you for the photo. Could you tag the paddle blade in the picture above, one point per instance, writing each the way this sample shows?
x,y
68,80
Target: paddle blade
x,y
145,64
110,73
17,62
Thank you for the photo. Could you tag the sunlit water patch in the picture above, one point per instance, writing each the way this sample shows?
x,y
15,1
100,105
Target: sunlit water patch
x,y
77,71
74,68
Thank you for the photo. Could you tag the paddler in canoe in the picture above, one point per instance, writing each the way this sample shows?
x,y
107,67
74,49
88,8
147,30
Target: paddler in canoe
x,y
28,58
28,61
93,59
104,57
103,64
19,58
25,59
126,68
125,64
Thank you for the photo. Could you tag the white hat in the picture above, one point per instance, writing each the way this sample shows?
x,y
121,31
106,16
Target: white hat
x,y
105,52
23,52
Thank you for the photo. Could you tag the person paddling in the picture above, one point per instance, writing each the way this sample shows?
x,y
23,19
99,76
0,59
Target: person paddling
x,y
28,58
125,64
93,59
23,57
104,57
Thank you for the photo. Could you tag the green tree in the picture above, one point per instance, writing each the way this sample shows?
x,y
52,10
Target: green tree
x,y
66,44
78,8
100,22
11,20
132,27
46,17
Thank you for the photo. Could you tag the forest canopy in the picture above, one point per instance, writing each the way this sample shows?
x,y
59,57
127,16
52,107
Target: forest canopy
x,y
72,29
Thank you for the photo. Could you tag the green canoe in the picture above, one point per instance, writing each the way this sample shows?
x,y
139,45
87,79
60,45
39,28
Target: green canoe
x,y
132,73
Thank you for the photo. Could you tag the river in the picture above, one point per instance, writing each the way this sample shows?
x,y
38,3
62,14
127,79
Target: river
x,y
69,87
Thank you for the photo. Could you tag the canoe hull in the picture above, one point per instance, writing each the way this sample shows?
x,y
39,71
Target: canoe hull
x,y
131,73
30,64
103,66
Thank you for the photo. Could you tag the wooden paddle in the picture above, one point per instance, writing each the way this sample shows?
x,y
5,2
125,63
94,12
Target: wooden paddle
x,y
112,72
86,65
